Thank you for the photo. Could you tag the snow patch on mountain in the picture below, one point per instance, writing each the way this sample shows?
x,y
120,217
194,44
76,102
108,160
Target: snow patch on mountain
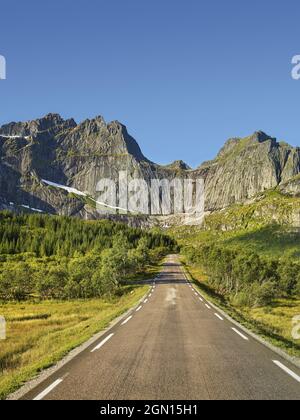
x,y
64,187
14,137
25,206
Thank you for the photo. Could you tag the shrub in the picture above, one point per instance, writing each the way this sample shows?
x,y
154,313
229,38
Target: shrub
x,y
264,294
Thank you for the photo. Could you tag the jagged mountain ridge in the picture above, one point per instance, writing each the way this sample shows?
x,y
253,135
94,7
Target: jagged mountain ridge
x,y
79,155
248,166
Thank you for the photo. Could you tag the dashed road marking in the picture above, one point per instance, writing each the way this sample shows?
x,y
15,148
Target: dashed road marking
x,y
208,307
102,343
48,390
218,316
139,308
240,334
287,370
127,320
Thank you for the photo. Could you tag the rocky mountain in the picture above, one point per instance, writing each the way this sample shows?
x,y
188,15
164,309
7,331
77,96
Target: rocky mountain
x,y
38,157
248,166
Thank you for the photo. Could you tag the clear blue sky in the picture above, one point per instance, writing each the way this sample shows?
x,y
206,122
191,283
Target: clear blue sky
x,y
183,75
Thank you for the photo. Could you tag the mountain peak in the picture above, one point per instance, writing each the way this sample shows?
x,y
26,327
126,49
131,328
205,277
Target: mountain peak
x,y
179,164
29,128
257,137
53,117
260,137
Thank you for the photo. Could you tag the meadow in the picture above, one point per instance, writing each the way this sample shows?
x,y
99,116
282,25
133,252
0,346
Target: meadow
x,y
40,333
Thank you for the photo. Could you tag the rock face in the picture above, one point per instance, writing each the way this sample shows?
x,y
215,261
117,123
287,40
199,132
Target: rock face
x,y
79,155
246,167
67,154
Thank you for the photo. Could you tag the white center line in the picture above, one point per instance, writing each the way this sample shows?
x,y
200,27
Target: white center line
x,y
218,316
126,320
102,343
48,390
208,307
139,308
287,370
240,334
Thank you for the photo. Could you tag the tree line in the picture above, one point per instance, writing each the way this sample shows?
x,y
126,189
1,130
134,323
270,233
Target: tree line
x,y
45,236
48,257
245,277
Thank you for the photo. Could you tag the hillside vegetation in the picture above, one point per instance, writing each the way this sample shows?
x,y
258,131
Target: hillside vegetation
x,y
248,261
45,257
249,256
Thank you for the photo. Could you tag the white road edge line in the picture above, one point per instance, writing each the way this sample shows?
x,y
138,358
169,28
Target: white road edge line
x,y
48,390
102,343
139,308
240,334
287,370
218,316
127,320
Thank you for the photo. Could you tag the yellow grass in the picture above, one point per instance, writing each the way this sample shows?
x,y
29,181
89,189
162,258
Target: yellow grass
x,y
40,334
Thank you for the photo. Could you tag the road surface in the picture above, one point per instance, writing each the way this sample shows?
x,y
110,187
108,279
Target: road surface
x,y
175,346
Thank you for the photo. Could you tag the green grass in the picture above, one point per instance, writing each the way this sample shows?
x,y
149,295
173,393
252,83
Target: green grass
x,y
272,241
272,322
39,334
270,207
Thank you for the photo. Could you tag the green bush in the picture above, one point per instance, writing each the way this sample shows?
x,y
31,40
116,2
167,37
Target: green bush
x,y
263,294
64,258
246,278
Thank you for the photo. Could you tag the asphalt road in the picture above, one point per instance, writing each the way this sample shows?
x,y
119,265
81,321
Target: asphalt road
x,y
173,346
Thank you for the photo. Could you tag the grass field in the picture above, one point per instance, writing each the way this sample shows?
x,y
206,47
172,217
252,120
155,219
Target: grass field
x,y
273,322
269,241
41,333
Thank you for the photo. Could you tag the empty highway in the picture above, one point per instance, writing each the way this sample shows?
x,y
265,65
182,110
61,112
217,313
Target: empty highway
x,y
175,346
